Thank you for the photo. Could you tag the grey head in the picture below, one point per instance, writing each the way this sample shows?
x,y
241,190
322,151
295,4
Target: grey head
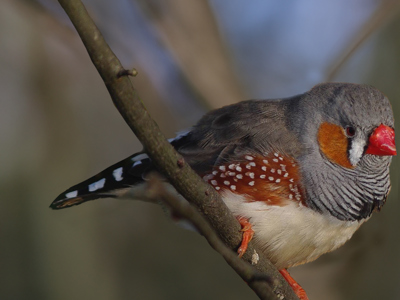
x,y
334,123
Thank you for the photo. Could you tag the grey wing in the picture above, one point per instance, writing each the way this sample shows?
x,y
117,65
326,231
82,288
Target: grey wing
x,y
227,134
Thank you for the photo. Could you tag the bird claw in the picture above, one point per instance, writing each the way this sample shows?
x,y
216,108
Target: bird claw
x,y
248,234
299,291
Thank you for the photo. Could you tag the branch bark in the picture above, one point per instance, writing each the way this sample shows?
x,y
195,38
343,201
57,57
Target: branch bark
x,y
170,163
156,191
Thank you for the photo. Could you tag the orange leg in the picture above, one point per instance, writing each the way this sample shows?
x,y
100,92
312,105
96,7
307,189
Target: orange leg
x,y
248,233
300,292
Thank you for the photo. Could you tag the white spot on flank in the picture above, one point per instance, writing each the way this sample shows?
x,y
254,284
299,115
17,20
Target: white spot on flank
x,y
97,185
283,167
272,170
239,169
264,168
279,172
214,172
222,175
275,160
251,183
286,174
226,182
278,180
276,154
117,173
280,158
271,178
253,164
248,157
217,188
248,166
71,194
265,161
231,173
233,187
231,166
222,168
213,182
239,176
290,196
250,174
263,176
208,177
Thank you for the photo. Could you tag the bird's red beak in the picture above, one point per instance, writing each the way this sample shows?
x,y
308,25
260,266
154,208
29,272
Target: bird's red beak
x,y
381,141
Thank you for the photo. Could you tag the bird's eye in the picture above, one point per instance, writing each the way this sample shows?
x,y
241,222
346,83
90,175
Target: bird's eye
x,y
350,131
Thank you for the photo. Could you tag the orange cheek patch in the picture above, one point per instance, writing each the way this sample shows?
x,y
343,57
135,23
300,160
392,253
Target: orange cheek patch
x,y
333,143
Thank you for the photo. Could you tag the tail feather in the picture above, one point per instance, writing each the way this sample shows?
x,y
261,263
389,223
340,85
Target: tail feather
x,y
106,184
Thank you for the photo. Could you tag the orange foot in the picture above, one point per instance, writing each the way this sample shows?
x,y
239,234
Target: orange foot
x,y
300,292
248,233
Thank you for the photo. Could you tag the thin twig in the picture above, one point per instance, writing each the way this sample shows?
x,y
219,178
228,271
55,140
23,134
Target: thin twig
x,y
259,282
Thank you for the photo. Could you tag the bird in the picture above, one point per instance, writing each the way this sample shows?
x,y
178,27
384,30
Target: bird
x,y
301,174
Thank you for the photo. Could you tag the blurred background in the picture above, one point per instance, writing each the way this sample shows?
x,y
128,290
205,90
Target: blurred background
x,y
58,127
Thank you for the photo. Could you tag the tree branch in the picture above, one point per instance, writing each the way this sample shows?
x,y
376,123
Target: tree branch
x,y
156,191
166,159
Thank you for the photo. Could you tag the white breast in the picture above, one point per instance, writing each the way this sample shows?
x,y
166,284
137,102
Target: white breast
x,y
291,235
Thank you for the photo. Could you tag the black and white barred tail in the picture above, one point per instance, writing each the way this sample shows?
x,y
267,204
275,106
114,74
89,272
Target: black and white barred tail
x,y
106,184
113,181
